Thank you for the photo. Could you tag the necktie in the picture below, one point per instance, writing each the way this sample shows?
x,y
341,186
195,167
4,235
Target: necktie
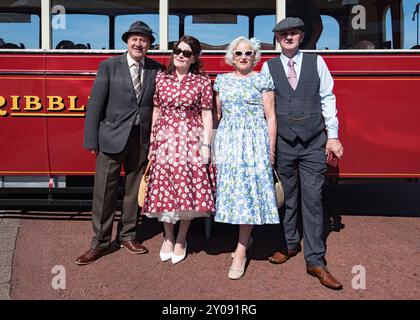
x,y
137,87
291,74
136,80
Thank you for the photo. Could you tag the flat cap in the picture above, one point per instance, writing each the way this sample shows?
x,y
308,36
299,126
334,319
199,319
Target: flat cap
x,y
289,23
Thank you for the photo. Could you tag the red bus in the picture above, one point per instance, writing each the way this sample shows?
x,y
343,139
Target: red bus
x,y
50,51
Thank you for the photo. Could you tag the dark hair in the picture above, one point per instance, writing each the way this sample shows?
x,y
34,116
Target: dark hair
x,y
195,45
65,44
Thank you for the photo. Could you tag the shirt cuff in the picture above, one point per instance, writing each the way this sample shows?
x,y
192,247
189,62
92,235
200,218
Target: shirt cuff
x,y
332,134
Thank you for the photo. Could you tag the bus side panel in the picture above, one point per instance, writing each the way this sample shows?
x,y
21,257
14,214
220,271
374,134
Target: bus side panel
x,y
70,77
379,126
23,133
65,132
378,109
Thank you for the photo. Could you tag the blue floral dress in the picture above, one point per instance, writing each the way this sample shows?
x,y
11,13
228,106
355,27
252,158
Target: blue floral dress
x,y
245,186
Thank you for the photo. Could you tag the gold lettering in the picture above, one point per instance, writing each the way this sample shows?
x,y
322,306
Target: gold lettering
x,y
32,103
3,103
55,103
15,103
73,104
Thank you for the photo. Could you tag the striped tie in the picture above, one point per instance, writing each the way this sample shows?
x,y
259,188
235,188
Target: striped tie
x,y
136,81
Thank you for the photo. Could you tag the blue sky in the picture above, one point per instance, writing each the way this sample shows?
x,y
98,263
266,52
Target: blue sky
x,y
93,29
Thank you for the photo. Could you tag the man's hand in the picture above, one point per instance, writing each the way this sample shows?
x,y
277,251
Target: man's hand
x,y
334,146
272,158
93,151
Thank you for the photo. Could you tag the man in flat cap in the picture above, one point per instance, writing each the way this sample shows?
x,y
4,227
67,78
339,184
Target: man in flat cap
x,y
117,131
307,130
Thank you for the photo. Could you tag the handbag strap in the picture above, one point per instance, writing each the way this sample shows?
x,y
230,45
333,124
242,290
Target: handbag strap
x,y
276,174
149,164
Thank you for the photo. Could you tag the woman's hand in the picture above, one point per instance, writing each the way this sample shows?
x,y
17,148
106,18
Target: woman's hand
x,y
206,153
151,154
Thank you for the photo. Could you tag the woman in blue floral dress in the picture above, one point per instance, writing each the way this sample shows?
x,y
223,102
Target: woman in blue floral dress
x,y
245,147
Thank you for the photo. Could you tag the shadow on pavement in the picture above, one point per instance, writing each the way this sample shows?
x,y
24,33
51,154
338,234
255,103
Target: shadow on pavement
x,y
373,199
366,199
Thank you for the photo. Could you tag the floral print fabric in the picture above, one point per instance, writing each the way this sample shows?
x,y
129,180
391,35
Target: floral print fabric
x,y
179,183
245,187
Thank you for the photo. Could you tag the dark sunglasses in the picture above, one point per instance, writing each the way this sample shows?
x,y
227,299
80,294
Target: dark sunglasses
x,y
185,53
239,53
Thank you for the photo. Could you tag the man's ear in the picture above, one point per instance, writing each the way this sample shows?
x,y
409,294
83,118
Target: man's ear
x,y
302,37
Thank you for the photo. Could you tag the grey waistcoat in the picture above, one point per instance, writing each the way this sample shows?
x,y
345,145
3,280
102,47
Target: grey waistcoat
x,y
299,112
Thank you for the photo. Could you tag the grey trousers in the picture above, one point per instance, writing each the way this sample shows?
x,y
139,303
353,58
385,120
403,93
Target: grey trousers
x,y
301,167
105,192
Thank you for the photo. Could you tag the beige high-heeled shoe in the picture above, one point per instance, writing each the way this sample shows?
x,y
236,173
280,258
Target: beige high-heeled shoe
x,y
236,274
250,243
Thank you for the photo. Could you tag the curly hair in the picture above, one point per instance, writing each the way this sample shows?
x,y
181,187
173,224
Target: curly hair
x,y
254,43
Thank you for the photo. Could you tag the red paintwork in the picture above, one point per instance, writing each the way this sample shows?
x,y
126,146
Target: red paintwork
x,y
377,100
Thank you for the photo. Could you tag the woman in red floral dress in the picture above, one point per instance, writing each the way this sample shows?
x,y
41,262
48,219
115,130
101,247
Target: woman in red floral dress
x,y
180,183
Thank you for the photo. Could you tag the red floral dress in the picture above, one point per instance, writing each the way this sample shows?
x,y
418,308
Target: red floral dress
x,y
180,184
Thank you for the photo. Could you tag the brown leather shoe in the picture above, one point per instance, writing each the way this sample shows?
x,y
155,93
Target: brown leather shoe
x,y
325,277
279,257
133,246
91,256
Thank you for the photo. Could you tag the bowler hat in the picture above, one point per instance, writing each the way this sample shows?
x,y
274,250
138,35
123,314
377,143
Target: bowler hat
x,y
139,27
289,23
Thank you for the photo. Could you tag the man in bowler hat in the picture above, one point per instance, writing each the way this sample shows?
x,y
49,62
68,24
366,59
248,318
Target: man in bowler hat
x,y
307,131
117,131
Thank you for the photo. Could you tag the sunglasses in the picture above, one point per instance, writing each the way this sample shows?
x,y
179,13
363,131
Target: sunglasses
x,y
185,53
239,53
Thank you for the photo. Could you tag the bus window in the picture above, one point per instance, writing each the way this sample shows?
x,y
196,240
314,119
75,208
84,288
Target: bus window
x,y
411,24
388,27
122,24
263,26
216,35
216,23
20,25
362,24
99,24
173,29
410,16
81,31
330,36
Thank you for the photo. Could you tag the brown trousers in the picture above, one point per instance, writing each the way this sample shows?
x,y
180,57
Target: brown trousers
x,y
105,192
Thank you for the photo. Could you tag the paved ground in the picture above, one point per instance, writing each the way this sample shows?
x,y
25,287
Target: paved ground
x,y
8,233
384,244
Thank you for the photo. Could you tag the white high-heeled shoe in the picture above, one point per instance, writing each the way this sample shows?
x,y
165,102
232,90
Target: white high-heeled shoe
x,y
175,259
165,256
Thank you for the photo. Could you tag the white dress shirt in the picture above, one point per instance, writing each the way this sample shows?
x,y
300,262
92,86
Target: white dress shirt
x,y
328,101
